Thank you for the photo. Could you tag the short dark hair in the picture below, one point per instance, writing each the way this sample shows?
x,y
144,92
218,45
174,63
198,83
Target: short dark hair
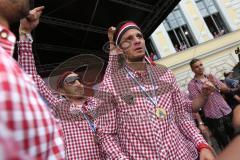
x,y
193,61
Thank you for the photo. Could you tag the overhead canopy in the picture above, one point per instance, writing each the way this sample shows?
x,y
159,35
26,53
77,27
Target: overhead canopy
x,y
73,27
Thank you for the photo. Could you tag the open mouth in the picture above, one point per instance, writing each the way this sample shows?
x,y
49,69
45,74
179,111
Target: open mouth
x,y
139,49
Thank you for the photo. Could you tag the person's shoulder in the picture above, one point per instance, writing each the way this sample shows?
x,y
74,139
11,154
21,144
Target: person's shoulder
x,y
192,80
7,64
230,80
163,72
191,83
118,75
159,68
12,73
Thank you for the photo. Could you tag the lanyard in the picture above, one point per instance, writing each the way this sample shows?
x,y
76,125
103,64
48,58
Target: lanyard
x,y
90,123
151,99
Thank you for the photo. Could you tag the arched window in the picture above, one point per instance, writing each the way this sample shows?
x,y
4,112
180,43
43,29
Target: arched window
x,y
212,17
178,30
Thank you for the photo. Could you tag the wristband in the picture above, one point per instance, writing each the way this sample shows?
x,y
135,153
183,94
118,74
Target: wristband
x,y
202,146
28,36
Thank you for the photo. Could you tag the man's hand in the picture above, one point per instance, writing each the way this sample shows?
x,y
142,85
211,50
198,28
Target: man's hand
x,y
222,88
114,50
208,88
211,78
30,22
111,31
204,130
206,154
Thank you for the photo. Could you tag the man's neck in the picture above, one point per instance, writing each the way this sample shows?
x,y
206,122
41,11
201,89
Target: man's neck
x,y
77,100
137,66
199,77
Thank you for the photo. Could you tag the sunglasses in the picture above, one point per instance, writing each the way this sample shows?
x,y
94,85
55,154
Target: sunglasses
x,y
71,80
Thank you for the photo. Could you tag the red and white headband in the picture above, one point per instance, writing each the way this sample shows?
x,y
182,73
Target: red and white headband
x,y
123,29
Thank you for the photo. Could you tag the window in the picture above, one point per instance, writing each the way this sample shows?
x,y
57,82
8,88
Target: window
x,y
151,50
212,17
178,30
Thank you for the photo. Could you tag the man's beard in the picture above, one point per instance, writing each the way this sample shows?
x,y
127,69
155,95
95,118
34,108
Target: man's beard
x,y
25,10
21,11
14,1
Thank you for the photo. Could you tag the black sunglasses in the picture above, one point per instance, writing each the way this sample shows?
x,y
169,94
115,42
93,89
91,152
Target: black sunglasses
x,y
71,80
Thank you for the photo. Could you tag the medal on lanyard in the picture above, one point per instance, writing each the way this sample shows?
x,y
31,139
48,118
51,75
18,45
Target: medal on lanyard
x,y
160,112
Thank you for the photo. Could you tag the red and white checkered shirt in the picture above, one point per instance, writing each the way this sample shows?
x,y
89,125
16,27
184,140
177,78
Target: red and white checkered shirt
x,y
131,129
215,107
8,145
79,138
25,121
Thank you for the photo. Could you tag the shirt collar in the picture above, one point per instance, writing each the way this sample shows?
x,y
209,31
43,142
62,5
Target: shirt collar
x,y
197,80
138,74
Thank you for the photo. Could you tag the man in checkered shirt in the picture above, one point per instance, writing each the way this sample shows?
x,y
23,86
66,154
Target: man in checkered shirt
x,y
28,130
216,110
147,117
74,109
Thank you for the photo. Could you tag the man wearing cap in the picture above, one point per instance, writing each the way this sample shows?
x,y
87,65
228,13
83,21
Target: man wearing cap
x,y
147,117
27,129
75,111
217,112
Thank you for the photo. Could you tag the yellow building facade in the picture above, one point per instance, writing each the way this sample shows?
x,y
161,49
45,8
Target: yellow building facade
x,y
214,26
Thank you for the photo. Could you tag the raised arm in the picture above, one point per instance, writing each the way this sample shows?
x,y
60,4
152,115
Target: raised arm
x,y
26,58
114,55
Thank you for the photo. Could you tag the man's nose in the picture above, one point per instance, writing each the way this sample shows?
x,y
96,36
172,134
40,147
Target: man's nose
x,y
136,40
77,83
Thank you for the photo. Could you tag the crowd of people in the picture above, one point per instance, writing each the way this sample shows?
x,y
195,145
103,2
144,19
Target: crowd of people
x,y
181,47
219,33
138,111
